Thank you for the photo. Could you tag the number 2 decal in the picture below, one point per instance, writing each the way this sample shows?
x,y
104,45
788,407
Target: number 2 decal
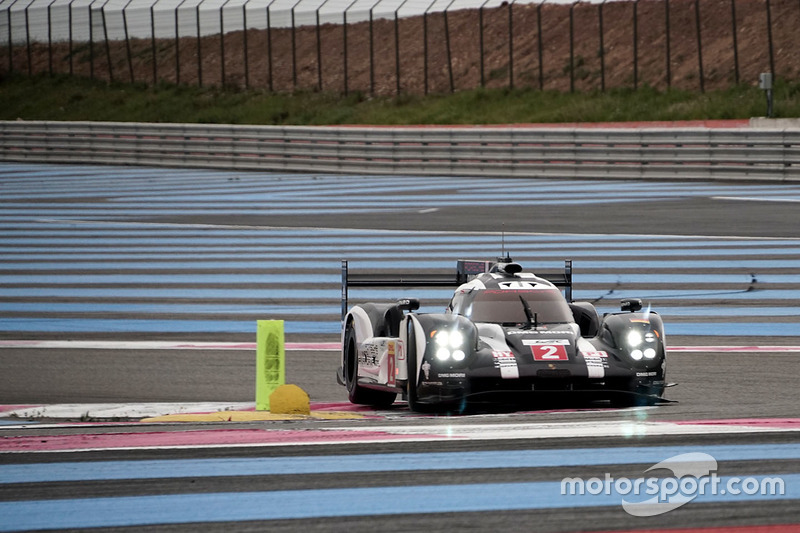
x,y
549,352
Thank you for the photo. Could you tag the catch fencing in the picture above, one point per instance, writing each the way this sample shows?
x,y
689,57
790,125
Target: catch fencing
x,y
668,153
390,47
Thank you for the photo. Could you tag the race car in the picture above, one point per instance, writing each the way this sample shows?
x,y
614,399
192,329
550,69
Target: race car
x,y
506,337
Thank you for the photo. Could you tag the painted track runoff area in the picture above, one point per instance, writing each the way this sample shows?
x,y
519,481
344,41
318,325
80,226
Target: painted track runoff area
x,y
127,286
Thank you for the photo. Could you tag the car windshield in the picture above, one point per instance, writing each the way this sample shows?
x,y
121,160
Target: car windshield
x,y
504,306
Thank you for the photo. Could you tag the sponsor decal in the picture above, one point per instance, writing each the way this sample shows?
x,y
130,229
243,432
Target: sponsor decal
x,y
453,375
646,374
595,355
596,363
426,369
507,363
390,348
549,352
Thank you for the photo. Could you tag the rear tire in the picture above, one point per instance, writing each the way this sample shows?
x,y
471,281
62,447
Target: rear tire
x,y
356,393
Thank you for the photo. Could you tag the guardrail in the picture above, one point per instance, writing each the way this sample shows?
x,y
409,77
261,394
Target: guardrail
x,y
668,153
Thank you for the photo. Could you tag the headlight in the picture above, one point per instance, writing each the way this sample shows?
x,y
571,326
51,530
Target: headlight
x,y
650,353
634,339
637,354
449,344
442,354
456,339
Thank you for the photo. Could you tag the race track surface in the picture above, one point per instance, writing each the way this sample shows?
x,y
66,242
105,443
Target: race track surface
x,y
124,288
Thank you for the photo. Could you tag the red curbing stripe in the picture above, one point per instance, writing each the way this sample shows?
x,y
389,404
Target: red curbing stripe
x,y
775,528
190,439
780,423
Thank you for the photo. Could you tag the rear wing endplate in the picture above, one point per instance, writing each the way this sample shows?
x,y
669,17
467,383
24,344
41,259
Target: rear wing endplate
x,y
465,270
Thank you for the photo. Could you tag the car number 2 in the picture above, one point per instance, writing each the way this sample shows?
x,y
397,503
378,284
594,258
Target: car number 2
x,y
549,352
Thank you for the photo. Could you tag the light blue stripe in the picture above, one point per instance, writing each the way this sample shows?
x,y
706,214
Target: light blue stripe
x,y
293,294
191,308
163,261
314,503
80,325
368,255
172,308
390,462
335,279
333,326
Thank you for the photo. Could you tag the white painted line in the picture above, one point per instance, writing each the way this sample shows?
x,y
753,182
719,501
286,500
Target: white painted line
x,y
603,428
755,199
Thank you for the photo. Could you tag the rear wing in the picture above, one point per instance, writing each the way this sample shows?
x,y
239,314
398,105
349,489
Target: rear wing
x,y
465,270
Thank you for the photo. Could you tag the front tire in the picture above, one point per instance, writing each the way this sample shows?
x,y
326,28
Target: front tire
x,y
356,393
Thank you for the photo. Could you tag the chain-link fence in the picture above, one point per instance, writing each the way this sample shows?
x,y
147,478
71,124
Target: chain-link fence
x,y
396,46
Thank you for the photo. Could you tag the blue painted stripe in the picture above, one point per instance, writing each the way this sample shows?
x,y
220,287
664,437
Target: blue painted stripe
x,y
392,462
333,326
192,308
78,325
314,503
334,294
112,261
368,256
334,279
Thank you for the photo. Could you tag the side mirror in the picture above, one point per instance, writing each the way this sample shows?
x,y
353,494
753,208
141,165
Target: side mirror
x,y
630,304
408,304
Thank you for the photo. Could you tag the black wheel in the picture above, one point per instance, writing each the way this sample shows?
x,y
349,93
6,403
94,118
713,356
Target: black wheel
x,y
356,393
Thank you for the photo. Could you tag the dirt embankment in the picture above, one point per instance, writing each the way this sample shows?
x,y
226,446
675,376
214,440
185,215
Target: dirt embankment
x,y
636,50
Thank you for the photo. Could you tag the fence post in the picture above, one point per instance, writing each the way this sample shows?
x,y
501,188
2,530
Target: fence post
x,y
425,44
539,44
244,44
108,46
28,37
635,45
69,21
344,38
91,41
127,39
397,45
769,38
10,40
669,48
199,46
294,49
371,51
50,38
319,47
269,46
480,42
735,42
153,40
572,48
447,45
602,46
700,45
177,43
222,42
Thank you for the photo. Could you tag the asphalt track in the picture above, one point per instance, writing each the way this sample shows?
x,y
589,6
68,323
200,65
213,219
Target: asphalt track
x,y
393,470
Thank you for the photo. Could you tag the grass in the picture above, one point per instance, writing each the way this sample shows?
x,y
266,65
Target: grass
x,y
73,98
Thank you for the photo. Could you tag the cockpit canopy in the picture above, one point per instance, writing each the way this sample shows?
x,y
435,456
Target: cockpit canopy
x,y
505,305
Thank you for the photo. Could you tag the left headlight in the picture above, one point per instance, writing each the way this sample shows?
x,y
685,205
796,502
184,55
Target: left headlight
x,y
449,344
